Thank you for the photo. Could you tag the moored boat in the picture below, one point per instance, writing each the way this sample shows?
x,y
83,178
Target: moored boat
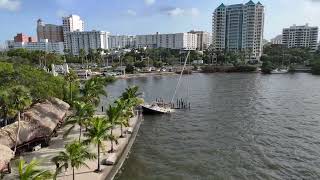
x,y
156,108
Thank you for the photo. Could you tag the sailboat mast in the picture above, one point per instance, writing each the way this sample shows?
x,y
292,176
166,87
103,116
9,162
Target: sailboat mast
x,y
179,80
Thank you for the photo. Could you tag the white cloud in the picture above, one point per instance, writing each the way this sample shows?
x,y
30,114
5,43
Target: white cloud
x,y
149,2
131,12
11,5
175,12
181,12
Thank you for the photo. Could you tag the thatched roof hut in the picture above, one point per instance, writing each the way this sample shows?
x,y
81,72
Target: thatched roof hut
x,y
38,121
6,154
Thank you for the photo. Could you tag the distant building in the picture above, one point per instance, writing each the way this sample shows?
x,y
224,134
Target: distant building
x,y
277,40
23,38
300,36
54,33
186,41
239,27
121,41
86,40
42,45
71,23
203,39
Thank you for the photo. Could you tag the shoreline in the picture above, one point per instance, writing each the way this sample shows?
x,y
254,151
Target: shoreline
x,y
83,173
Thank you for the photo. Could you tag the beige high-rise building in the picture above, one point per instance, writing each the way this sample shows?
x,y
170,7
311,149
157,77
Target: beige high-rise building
x,y
239,27
71,23
203,39
54,33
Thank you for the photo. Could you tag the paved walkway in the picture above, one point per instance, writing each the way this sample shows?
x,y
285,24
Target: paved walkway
x,y
57,144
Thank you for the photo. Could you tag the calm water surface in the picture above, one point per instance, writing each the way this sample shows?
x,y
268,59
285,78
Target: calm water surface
x,y
241,126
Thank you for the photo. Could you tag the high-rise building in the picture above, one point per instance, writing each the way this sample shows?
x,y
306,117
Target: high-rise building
x,y
54,33
121,41
300,36
86,40
23,38
203,39
239,27
71,23
186,41
277,40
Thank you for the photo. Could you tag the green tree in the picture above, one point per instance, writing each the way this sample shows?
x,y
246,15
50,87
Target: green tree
x,y
31,171
267,67
83,112
94,88
71,77
4,105
75,155
97,133
113,115
82,54
20,97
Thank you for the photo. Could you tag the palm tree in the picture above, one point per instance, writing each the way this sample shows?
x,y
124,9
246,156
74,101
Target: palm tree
x,y
82,54
131,95
4,104
71,77
31,171
123,119
113,115
97,133
20,97
93,89
84,111
75,155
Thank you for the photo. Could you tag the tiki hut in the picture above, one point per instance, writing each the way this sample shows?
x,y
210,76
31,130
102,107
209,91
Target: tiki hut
x,y
6,154
37,123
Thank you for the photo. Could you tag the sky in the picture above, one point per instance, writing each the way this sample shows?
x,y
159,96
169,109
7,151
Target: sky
x,y
133,17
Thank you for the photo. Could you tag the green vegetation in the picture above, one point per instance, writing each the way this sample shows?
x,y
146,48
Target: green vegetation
x,y
75,155
277,56
31,171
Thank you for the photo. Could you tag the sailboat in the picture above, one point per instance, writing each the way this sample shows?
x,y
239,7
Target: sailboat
x,y
160,107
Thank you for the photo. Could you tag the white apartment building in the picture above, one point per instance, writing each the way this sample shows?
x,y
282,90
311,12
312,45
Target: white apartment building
x,y
186,41
300,36
70,24
121,41
42,45
277,40
239,27
86,40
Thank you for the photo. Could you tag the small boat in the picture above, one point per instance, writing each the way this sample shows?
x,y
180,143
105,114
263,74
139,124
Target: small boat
x,y
279,71
156,108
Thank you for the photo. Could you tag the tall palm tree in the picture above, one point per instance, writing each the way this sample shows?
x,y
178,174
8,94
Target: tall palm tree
x,y
97,133
20,97
93,89
113,115
82,54
125,114
84,111
71,77
31,171
75,155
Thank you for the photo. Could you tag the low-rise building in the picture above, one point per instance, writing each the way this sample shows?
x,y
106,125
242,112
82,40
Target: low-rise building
x,y
23,38
42,45
277,40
